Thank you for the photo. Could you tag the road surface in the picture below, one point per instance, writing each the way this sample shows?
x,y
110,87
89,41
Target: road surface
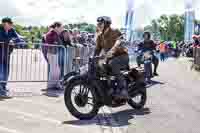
x,y
172,107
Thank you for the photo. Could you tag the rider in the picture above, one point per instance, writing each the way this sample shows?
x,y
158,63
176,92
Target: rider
x,y
108,42
148,44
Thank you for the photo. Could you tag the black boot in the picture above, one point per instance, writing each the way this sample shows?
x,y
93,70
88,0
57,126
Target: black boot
x,y
155,74
155,63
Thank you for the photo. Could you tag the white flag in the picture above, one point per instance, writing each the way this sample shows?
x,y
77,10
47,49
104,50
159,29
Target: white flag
x,y
188,4
129,18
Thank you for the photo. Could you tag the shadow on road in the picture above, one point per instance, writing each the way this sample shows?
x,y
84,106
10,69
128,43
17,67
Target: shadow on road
x,y
3,99
52,93
153,83
120,118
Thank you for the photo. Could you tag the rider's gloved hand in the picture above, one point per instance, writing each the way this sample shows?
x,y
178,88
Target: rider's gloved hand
x,y
11,43
108,57
106,60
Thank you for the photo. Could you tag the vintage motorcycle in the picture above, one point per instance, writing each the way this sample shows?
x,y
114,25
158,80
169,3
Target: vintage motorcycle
x,y
86,92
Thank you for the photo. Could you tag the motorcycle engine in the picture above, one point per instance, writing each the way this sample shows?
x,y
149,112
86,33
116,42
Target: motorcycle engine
x,y
135,75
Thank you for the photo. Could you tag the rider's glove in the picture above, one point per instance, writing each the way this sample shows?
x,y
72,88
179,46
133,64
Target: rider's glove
x,y
108,56
11,43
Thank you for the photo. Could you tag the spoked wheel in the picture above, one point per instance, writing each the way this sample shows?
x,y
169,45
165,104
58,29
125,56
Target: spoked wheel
x,y
81,100
139,100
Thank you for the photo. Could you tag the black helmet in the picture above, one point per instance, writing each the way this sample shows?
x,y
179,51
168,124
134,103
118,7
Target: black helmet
x,y
104,19
7,20
148,34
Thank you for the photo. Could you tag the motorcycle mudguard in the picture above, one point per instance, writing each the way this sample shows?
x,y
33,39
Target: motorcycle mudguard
x,y
137,88
68,76
73,79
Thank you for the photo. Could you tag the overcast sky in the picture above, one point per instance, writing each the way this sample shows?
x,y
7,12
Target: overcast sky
x,y
44,12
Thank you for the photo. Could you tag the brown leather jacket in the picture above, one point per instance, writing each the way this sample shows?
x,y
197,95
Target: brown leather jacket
x,y
109,42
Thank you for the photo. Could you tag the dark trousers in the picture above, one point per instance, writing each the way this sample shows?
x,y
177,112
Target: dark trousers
x,y
44,52
116,64
61,61
155,61
4,73
5,51
162,56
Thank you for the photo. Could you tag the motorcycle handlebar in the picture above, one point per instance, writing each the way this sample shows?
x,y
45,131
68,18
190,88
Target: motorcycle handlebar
x,y
97,57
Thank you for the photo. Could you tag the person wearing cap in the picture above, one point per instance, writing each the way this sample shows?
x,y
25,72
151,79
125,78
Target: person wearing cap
x,y
7,35
108,42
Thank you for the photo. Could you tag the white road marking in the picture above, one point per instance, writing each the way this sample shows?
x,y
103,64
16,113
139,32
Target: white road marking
x,y
38,117
31,102
36,103
9,130
25,119
43,112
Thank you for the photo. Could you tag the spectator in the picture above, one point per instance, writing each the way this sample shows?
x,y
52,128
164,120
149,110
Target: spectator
x,y
7,34
162,49
55,55
52,37
82,39
75,36
174,48
65,37
45,49
77,39
65,60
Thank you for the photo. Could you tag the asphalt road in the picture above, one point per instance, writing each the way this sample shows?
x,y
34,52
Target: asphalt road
x,y
172,107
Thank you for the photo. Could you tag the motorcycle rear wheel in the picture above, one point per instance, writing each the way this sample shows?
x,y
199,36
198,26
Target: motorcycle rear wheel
x,y
72,109
138,104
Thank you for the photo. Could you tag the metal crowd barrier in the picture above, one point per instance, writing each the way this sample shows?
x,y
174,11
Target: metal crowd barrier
x,y
81,56
41,62
19,63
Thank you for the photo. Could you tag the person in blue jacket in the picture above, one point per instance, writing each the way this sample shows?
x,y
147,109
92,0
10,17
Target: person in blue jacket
x,y
8,37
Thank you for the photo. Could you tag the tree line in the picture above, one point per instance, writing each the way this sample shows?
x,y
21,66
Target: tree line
x,y
168,27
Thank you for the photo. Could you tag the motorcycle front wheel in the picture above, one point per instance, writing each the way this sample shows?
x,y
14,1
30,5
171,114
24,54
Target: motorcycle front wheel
x,y
81,100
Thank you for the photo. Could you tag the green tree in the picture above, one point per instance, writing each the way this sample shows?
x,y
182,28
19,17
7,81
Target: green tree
x,y
168,27
19,28
90,28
